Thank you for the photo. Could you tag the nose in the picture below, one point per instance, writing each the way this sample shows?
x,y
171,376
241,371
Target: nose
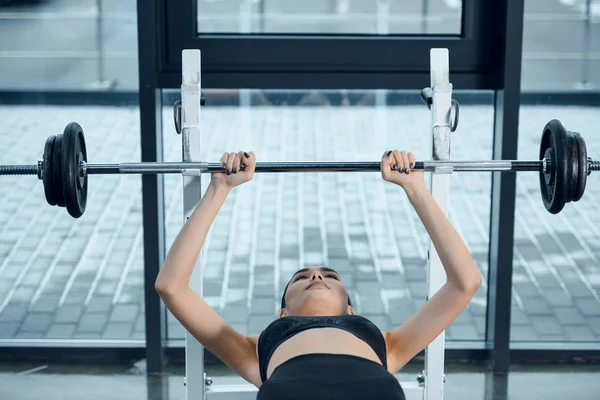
x,y
316,275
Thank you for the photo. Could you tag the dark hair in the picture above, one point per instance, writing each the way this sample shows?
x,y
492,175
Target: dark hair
x,y
304,270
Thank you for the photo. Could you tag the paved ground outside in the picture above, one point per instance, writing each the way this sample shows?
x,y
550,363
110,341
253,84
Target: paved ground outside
x,y
82,279
554,52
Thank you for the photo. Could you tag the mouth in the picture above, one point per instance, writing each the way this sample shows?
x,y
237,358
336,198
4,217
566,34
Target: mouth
x,y
317,284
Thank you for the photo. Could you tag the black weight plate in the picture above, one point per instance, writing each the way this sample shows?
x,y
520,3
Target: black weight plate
x,y
47,165
57,183
583,167
74,185
554,193
572,154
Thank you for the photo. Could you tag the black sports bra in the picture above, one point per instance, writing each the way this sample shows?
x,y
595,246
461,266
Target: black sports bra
x,y
284,328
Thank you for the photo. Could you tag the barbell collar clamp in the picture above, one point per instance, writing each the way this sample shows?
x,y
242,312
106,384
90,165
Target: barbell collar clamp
x,y
593,165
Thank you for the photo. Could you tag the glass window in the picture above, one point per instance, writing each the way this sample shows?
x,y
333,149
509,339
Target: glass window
x,y
72,45
556,278
377,17
353,222
65,278
560,45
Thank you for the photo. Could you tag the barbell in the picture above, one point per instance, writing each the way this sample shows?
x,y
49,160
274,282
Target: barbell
x,y
563,167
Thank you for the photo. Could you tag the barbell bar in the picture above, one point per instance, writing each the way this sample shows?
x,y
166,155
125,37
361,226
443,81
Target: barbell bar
x,y
280,166
305,166
563,167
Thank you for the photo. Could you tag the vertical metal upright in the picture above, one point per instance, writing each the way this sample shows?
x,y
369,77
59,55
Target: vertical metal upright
x,y
192,193
150,101
440,181
502,213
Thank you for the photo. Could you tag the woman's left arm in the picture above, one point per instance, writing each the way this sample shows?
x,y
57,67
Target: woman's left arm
x,y
460,267
463,277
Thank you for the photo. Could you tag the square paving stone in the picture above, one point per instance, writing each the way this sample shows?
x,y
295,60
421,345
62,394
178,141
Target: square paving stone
x,y
118,330
69,314
368,288
239,279
61,331
569,316
237,314
393,281
589,307
594,324
265,290
262,306
76,297
479,323
415,274
518,317
8,329
92,323
364,271
556,297
37,322
546,326
463,332
45,304
526,289
580,332
371,304
14,312
124,313
536,306
522,333
418,289
341,265
577,289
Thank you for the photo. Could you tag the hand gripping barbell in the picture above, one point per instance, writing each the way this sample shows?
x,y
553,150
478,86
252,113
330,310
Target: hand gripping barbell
x,y
563,167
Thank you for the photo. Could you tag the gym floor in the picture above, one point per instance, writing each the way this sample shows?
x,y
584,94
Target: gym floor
x,y
530,382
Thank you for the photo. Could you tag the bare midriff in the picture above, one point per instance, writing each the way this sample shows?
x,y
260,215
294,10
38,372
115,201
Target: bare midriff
x,y
321,340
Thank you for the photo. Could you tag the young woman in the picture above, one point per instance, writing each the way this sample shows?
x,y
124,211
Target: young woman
x,y
319,348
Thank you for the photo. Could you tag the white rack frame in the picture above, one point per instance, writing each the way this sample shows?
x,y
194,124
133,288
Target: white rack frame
x,y
198,387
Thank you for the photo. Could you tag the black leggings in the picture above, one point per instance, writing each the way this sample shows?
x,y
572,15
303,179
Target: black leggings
x,y
331,377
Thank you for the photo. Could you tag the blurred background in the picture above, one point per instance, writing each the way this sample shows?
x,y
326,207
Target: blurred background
x,y
86,44
79,284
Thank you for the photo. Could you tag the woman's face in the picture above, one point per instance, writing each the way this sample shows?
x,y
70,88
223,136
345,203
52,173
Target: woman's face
x,y
316,291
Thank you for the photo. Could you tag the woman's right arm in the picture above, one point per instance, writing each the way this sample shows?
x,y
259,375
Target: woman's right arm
x,y
172,284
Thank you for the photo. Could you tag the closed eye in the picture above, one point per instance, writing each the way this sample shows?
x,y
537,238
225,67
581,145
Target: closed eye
x,y
334,276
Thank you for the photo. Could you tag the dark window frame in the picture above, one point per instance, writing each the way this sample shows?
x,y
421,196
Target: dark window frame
x,y
305,61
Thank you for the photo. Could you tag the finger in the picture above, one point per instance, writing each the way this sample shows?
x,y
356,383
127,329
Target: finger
x,y
405,162
399,161
224,159
249,161
388,163
236,164
240,158
229,166
412,160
